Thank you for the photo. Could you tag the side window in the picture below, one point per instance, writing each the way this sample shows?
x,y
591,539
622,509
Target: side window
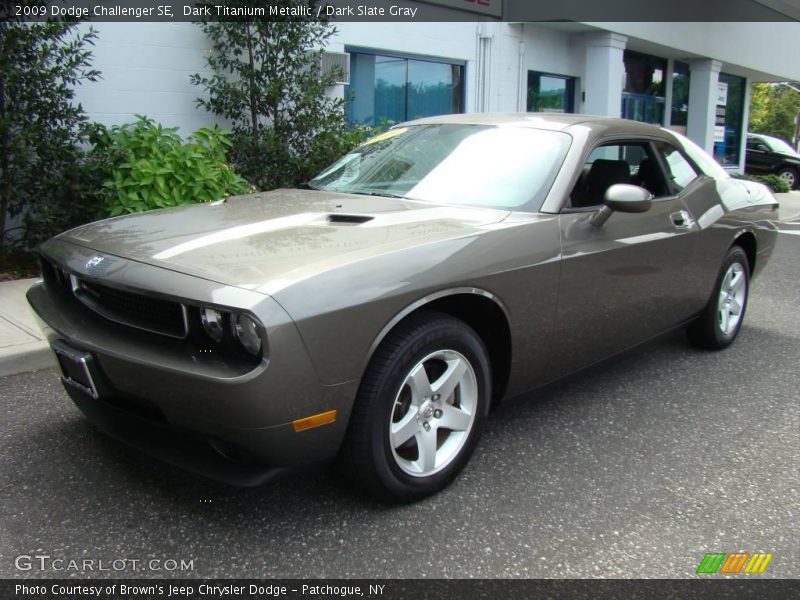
x,y
609,164
681,171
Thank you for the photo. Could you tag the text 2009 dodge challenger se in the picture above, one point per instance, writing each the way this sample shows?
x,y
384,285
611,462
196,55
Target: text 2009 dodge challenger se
x,y
378,314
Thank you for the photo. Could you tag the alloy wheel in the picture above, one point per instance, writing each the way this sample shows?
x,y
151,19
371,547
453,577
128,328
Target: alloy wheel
x,y
433,413
732,295
789,177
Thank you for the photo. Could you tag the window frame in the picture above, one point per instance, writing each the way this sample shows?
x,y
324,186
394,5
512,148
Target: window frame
x,y
571,90
649,141
666,168
462,84
630,95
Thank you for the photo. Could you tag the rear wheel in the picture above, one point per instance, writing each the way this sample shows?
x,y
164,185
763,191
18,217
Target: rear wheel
x,y
420,409
720,322
789,175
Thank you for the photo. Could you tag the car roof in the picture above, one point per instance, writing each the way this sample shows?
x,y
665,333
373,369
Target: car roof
x,y
762,136
552,121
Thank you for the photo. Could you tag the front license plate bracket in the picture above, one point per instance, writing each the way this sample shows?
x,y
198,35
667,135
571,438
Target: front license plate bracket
x,y
78,368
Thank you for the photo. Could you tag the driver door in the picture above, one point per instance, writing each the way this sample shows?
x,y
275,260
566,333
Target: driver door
x,y
625,281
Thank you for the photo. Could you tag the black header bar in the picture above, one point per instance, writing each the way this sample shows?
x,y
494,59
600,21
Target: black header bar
x,y
402,10
395,589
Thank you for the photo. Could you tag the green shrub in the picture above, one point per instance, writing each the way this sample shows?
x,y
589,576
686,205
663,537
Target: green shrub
x,y
265,161
775,183
148,166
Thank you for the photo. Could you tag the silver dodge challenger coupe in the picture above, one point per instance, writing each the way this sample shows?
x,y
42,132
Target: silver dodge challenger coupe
x,y
379,313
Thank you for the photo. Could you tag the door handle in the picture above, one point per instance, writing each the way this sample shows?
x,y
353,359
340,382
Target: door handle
x,y
681,219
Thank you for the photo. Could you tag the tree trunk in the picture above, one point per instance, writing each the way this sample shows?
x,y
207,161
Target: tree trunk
x,y
5,180
252,84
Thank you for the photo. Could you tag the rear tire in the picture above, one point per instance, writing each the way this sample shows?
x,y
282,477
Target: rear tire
x,y
789,175
722,318
420,409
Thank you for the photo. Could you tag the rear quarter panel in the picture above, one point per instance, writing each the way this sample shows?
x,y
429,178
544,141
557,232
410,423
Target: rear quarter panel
x,y
726,210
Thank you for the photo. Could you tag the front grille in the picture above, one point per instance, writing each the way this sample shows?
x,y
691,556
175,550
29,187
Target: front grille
x,y
130,308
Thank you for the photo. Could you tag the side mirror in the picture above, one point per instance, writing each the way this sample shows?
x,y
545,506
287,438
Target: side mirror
x,y
623,197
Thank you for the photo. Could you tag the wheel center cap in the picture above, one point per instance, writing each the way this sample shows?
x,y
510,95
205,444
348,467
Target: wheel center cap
x,y
426,410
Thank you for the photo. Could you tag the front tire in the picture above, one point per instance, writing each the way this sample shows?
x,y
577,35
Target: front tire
x,y
420,409
721,320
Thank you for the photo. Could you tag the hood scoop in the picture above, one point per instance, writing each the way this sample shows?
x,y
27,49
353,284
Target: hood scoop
x,y
344,219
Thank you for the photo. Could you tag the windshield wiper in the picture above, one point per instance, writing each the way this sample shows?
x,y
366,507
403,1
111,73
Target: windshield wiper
x,y
384,194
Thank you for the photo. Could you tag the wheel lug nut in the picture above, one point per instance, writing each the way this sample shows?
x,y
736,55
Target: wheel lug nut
x,y
438,413
436,397
427,426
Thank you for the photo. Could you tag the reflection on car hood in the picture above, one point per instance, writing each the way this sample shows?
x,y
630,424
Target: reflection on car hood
x,y
258,240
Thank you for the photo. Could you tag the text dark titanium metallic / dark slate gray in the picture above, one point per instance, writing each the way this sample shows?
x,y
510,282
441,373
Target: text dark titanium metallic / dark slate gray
x,y
376,315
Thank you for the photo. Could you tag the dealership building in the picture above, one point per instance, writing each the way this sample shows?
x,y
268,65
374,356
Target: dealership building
x,y
689,76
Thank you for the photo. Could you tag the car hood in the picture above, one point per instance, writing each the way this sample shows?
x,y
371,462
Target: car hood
x,y
268,240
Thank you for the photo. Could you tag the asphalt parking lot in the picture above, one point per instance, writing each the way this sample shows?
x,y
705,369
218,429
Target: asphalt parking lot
x,y
635,470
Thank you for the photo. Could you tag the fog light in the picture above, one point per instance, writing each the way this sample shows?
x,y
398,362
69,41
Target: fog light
x,y
246,331
212,323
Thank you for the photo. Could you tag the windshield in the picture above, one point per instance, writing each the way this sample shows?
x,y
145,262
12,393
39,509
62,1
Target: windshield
x,y
778,145
475,165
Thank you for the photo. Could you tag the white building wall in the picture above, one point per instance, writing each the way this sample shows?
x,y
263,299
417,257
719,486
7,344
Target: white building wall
x,y
145,70
704,75
506,67
551,51
604,75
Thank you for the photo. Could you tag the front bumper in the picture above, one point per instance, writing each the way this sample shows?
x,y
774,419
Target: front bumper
x,y
164,398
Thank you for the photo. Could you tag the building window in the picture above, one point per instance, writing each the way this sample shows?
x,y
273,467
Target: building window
x,y
643,94
388,87
679,117
728,124
550,93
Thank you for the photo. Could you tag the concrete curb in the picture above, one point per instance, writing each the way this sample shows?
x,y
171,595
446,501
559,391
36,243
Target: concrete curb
x,y
23,361
22,345
790,206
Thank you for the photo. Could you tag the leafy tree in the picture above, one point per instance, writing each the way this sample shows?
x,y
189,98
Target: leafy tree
x,y
774,108
266,81
42,174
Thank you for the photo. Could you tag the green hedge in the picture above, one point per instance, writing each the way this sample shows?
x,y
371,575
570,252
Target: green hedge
x,y
775,183
147,166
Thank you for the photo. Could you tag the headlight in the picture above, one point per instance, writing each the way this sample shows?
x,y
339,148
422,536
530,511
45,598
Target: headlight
x,y
212,323
246,331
